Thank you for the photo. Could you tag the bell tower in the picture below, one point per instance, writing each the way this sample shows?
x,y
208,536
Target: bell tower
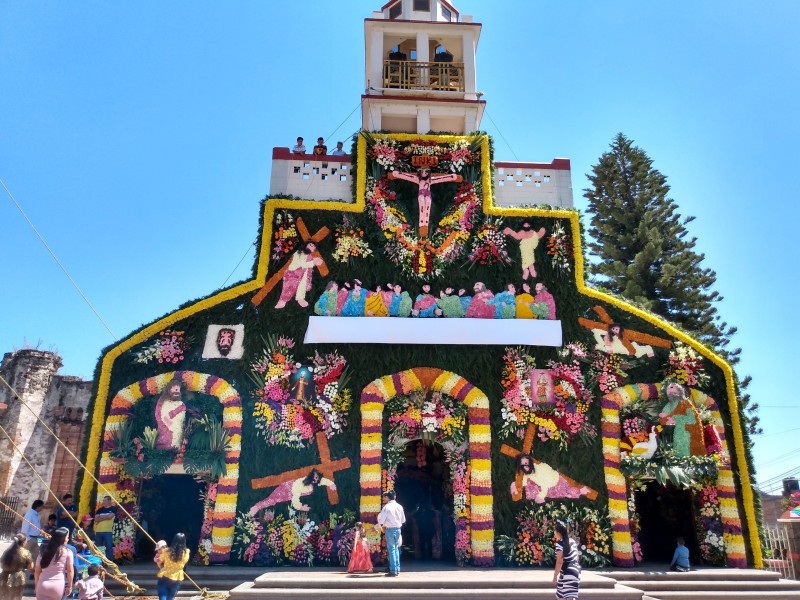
x,y
420,69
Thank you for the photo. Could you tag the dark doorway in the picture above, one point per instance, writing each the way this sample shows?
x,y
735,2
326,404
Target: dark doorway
x,y
666,512
171,504
423,488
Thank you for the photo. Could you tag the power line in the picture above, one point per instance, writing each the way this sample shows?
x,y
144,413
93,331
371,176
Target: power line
x,y
500,133
246,252
55,258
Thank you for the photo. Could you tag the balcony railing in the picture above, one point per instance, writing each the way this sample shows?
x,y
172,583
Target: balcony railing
x,y
413,75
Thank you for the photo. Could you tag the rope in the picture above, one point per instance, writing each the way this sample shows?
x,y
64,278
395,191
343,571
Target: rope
x,y
111,565
55,258
203,591
47,535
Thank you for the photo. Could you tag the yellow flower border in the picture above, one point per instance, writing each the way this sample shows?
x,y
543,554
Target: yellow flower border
x,y
101,401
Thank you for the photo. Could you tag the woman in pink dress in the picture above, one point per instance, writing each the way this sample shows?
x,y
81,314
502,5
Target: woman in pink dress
x,y
54,571
360,561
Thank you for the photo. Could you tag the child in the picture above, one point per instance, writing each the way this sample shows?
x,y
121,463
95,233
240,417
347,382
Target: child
x,y
90,588
360,561
160,545
680,560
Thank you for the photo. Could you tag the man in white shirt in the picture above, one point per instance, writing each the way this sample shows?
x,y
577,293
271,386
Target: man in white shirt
x,y
299,148
32,528
391,519
339,150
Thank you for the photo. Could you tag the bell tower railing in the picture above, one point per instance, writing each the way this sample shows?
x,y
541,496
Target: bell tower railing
x,y
413,75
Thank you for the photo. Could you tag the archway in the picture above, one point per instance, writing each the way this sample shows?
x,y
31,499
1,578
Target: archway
x,y
480,500
617,486
226,489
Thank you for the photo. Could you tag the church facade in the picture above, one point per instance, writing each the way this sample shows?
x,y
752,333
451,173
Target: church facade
x,y
410,326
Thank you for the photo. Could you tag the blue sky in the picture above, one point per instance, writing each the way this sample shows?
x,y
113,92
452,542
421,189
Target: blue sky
x,y
138,139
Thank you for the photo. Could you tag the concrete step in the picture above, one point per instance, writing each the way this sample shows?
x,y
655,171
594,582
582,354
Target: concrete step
x,y
392,591
675,585
700,574
749,595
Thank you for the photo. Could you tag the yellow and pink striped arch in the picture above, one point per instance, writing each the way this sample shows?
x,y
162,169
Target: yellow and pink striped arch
x,y
227,487
373,400
617,487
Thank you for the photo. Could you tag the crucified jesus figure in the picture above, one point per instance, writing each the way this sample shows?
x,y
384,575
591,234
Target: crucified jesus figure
x,y
424,179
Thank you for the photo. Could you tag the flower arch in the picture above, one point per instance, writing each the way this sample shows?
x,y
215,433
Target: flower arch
x,y
617,487
227,487
373,400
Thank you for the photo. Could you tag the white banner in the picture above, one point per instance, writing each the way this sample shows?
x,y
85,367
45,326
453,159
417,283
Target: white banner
x,y
411,330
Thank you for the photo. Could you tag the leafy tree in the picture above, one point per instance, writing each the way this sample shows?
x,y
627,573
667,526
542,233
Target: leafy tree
x,y
641,250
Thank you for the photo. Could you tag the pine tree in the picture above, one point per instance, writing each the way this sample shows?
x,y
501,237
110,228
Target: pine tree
x,y
641,250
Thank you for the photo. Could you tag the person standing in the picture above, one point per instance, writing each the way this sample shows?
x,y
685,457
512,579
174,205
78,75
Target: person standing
x,y
339,150
391,518
299,147
567,574
54,572
360,560
320,149
171,562
14,562
32,528
67,516
104,526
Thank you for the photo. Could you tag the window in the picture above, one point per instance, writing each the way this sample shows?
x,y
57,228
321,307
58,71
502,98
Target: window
x,y
395,10
446,14
422,5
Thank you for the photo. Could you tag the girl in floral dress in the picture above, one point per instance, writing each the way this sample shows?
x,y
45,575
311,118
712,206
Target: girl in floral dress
x,y
360,561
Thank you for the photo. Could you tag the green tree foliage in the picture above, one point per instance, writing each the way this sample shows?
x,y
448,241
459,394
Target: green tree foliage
x,y
641,250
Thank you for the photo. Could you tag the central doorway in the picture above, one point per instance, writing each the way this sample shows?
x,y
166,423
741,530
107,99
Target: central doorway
x,y
423,484
666,512
171,504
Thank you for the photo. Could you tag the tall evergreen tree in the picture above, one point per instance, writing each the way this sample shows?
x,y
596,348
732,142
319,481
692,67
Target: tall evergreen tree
x,y
641,250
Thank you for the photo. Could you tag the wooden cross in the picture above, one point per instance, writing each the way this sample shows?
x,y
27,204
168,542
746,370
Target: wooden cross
x,y
628,335
326,466
278,276
527,445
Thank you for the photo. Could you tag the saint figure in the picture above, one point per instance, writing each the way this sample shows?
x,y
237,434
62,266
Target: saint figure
x,y
170,416
297,277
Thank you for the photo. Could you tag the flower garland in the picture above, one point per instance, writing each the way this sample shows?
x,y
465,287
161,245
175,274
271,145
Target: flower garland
x,y
350,243
169,348
294,539
489,245
533,544
286,236
524,403
686,366
423,257
559,250
204,547
293,421
709,526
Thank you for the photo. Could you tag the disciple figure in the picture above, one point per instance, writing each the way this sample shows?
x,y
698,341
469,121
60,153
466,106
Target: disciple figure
x,y
170,416
524,302
425,304
505,303
326,305
528,241
544,305
482,305
297,277
450,304
424,179
375,306
356,301
539,481
293,491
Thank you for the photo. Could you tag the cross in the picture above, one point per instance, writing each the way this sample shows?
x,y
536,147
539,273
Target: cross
x,y
278,276
628,335
326,466
424,180
527,445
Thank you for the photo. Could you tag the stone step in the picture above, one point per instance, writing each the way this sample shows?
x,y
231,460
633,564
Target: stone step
x,y
676,585
701,574
747,595
391,591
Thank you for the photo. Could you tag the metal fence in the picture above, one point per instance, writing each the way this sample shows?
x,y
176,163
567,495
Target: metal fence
x,y
778,554
8,518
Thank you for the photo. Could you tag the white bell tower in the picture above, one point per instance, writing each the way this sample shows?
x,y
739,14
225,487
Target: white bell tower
x,y
420,69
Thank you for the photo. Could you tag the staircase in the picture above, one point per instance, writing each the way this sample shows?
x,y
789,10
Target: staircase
x,y
491,584
708,584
